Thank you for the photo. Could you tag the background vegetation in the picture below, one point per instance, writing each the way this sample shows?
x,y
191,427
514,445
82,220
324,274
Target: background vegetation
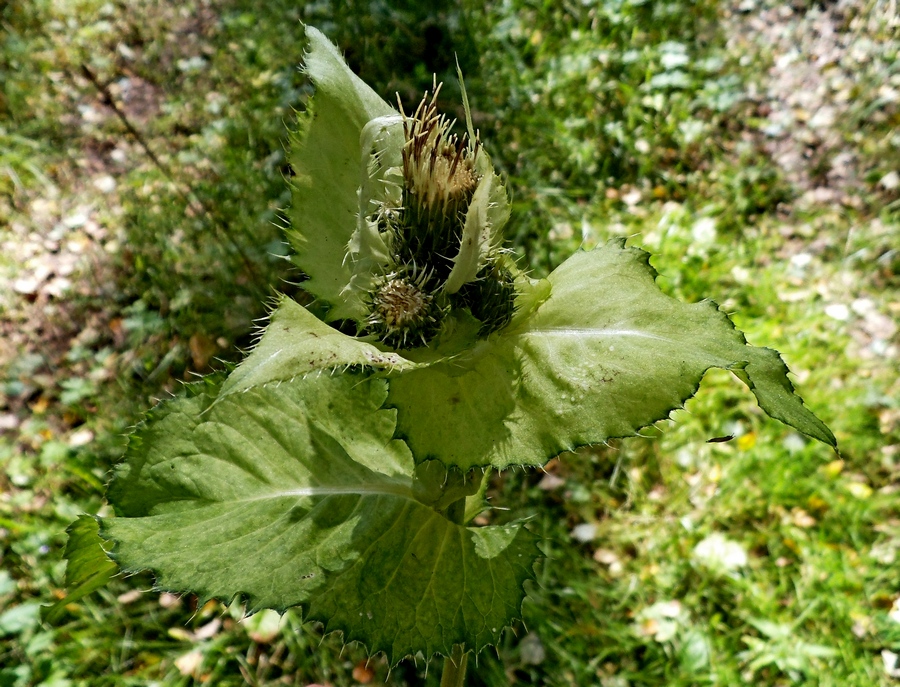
x,y
751,147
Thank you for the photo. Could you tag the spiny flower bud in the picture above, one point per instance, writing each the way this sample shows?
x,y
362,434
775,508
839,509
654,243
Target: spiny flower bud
x,y
403,311
399,303
490,298
438,220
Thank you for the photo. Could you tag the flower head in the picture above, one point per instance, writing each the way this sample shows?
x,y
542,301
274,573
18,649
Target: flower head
x,y
438,221
438,167
403,309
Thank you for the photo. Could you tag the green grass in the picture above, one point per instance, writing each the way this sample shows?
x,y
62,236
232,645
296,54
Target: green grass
x,y
619,118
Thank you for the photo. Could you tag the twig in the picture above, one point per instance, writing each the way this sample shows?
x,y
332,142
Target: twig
x,y
190,198
138,136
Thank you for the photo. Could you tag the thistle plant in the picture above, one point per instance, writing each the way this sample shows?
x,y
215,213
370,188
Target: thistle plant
x,y
339,467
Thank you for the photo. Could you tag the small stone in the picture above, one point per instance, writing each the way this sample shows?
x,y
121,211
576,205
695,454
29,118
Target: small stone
x,y
26,286
895,611
189,663
584,532
105,184
863,306
632,198
75,220
82,437
58,287
823,118
8,421
891,663
550,482
803,519
890,181
209,630
129,597
838,311
169,600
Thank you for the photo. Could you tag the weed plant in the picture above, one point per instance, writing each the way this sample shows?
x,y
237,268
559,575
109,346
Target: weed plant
x,y
566,98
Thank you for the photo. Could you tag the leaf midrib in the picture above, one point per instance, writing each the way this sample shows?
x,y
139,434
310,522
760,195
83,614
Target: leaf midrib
x,y
592,331
386,488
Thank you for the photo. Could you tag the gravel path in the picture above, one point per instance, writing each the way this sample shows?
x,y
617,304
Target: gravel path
x,y
829,70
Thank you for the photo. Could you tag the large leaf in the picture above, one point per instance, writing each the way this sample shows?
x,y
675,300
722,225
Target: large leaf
x,y
606,354
327,159
88,567
295,495
297,343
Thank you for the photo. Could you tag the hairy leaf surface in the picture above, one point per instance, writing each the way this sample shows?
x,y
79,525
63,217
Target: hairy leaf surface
x,y
296,495
606,354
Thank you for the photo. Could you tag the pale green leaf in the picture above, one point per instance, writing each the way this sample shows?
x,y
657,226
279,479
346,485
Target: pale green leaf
x,y
325,156
295,495
297,343
457,411
470,129
475,242
530,295
482,233
88,567
606,354
20,619
380,168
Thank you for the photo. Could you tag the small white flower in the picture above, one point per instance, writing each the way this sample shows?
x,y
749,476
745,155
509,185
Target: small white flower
x,y
890,181
704,231
720,554
663,620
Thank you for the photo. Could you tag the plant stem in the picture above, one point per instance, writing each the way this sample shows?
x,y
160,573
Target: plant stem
x,y
456,511
454,674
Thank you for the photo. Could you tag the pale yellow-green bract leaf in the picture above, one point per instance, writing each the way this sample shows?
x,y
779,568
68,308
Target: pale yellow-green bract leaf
x,y
326,158
475,243
297,343
88,568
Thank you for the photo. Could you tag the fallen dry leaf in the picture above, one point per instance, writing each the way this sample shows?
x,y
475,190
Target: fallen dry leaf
x,y
362,673
189,663
202,349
